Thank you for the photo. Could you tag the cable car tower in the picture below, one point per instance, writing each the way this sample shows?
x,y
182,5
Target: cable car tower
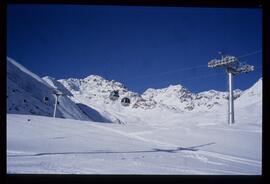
x,y
57,94
232,67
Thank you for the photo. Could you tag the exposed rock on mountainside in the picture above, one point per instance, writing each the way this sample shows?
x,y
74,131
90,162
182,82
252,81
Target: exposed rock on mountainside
x,y
89,98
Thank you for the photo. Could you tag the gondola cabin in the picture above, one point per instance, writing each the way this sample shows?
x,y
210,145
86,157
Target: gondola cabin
x,y
114,95
125,101
45,99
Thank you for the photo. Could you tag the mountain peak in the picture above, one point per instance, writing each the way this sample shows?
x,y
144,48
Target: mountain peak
x,y
48,77
94,78
176,87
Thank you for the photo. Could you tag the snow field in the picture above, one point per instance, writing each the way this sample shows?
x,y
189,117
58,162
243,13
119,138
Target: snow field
x,y
61,146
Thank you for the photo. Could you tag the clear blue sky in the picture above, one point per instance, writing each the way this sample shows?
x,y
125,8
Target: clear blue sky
x,y
141,47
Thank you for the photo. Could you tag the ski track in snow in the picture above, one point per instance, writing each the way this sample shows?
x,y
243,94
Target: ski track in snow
x,y
213,161
199,154
231,158
132,135
237,130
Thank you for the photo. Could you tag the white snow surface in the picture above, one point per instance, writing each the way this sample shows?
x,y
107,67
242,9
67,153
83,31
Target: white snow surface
x,y
191,145
162,131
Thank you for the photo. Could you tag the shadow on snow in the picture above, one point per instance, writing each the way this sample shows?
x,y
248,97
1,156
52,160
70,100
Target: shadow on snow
x,y
193,148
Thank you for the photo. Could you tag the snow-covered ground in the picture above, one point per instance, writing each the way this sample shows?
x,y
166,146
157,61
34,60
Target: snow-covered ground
x,y
38,144
162,131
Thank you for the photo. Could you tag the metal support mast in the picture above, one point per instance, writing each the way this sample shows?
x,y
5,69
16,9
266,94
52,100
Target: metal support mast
x,y
57,94
231,100
233,67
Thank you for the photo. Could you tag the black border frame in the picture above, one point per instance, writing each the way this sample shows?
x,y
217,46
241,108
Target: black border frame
x,y
45,178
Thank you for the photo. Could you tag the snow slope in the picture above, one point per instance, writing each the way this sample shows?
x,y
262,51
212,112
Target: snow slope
x,y
249,106
38,144
25,93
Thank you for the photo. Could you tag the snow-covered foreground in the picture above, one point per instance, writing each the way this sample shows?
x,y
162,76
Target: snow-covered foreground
x,y
194,144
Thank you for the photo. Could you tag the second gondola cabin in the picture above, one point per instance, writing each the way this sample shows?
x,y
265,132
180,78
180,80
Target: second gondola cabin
x,y
125,101
45,99
114,95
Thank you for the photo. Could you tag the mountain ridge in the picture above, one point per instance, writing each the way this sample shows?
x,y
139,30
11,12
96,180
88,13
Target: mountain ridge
x,y
88,98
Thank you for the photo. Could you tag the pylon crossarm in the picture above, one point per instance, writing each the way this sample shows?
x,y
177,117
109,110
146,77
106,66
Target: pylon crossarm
x,y
229,59
245,69
213,63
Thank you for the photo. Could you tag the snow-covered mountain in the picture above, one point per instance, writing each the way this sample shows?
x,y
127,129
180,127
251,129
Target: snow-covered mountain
x,y
178,97
94,91
88,98
251,95
26,92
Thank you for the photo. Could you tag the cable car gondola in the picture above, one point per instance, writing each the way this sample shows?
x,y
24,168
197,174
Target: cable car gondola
x,y
45,99
114,95
125,101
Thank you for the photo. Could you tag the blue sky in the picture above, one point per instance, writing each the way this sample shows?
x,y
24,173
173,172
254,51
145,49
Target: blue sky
x,y
141,47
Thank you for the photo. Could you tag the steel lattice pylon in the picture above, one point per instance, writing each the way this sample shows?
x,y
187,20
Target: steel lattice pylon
x,y
232,67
